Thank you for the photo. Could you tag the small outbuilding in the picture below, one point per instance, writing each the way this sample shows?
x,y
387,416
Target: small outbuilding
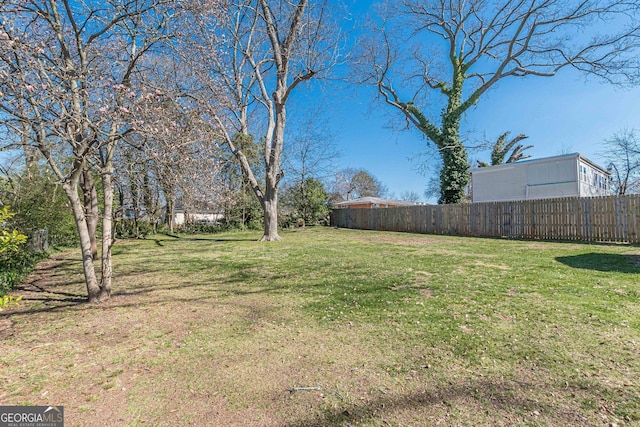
x,y
570,175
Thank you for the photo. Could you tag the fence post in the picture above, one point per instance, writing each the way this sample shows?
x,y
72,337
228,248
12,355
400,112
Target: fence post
x,y
39,240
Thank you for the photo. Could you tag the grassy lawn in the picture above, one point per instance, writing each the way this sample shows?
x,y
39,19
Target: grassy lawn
x,y
333,328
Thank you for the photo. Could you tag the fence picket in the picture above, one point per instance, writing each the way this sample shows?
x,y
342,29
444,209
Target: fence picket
x,y
609,218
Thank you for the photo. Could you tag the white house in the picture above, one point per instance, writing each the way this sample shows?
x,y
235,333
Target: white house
x,y
570,175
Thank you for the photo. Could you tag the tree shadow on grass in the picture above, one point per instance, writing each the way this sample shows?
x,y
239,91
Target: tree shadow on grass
x,y
50,290
504,400
210,239
603,262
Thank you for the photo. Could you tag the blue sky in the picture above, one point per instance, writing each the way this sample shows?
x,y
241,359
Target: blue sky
x,y
562,114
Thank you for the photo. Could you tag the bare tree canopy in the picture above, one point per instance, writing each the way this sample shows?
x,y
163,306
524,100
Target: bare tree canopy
x,y
442,56
350,183
311,151
270,49
622,152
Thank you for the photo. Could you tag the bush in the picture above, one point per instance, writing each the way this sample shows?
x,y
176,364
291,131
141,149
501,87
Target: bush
x,y
39,202
15,260
15,266
130,229
200,228
304,204
10,241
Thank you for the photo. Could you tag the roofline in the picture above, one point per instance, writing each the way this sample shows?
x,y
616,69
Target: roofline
x,y
595,165
368,200
544,160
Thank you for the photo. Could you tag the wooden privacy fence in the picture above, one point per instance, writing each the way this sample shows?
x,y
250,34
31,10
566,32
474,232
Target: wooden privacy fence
x,y
591,219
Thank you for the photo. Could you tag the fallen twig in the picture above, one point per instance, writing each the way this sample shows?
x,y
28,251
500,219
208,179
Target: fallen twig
x,y
294,389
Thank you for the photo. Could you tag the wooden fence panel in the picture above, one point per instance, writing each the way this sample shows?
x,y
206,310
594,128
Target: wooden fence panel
x,y
593,219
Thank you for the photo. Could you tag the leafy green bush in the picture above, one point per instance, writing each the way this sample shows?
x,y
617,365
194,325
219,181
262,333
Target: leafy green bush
x,y
304,203
7,300
9,240
39,202
130,229
15,266
15,260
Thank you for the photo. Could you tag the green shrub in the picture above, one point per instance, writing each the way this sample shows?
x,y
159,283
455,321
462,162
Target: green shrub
x,y
15,260
199,228
130,229
39,202
15,266
10,241
7,300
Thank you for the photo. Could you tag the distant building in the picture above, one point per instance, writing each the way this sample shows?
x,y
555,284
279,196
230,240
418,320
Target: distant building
x,y
570,175
372,202
203,217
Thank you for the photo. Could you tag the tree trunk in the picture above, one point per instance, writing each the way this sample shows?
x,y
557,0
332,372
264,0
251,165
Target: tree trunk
x,y
170,214
273,173
454,176
30,153
270,207
107,228
94,291
91,209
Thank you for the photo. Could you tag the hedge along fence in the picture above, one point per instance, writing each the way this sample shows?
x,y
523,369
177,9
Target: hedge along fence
x,y
590,219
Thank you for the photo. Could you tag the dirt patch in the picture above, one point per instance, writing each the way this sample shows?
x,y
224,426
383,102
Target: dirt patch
x,y
494,266
427,293
399,238
5,327
90,358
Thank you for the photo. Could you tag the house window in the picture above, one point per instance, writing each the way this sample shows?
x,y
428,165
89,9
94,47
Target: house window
x,y
603,182
583,174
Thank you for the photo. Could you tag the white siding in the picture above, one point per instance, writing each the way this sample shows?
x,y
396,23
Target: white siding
x,y
505,183
179,218
559,176
592,181
556,178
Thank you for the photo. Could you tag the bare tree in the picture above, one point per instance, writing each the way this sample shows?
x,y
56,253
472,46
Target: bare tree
x,y
271,49
174,153
622,152
309,157
410,196
65,78
353,183
435,55
311,150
